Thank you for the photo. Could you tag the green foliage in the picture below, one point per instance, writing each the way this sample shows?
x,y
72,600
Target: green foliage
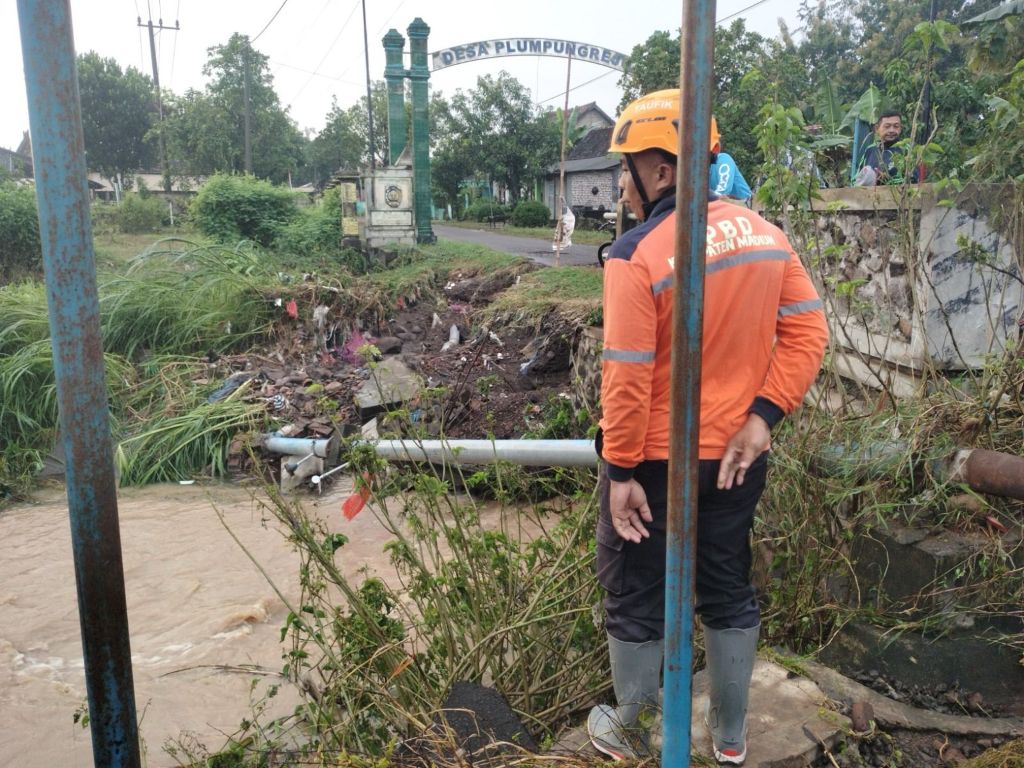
x,y
530,213
118,110
1002,151
28,399
315,229
340,144
867,108
187,301
20,250
205,129
486,209
493,132
855,59
652,66
193,440
780,130
138,213
503,597
232,208
568,292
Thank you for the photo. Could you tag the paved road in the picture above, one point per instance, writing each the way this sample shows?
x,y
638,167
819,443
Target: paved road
x,y
532,248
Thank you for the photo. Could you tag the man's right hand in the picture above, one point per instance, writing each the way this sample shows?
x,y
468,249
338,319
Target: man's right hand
x,y
629,510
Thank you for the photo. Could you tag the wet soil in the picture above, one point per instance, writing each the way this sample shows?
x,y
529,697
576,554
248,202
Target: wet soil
x,y
482,381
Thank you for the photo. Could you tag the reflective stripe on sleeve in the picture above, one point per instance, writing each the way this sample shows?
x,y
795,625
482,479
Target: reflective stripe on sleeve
x,y
745,258
627,356
800,307
663,284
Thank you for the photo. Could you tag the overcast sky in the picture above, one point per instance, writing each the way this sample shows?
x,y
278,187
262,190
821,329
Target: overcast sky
x,y
316,46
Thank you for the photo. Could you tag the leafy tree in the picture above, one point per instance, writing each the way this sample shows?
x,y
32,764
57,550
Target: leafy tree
x,y
651,66
358,117
494,131
206,129
340,144
118,113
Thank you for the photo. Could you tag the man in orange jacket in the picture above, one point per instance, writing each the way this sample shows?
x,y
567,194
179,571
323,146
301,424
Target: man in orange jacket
x,y
764,338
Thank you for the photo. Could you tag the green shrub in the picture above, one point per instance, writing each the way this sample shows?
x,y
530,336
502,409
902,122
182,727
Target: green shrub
x,y
530,213
20,250
314,230
485,210
140,213
233,208
104,217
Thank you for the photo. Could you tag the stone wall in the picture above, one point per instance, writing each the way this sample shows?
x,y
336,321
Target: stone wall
x,y
586,370
582,185
915,280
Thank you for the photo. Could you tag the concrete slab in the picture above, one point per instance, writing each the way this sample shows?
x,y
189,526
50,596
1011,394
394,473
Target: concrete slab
x,y
391,383
789,722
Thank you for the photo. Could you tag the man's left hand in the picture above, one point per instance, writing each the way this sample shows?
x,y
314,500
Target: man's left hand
x,y
752,439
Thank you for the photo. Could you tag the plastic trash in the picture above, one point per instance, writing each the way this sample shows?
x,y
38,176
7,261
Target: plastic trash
x,y
231,383
453,338
866,177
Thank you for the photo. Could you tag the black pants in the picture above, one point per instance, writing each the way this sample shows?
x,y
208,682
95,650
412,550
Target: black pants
x,y
633,575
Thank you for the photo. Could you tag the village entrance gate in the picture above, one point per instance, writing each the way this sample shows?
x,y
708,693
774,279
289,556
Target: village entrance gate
x,y
418,74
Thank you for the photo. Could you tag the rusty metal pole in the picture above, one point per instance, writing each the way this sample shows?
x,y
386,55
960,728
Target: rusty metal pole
x,y
695,77
65,229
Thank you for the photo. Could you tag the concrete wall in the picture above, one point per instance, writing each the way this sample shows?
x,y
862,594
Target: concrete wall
x,y
913,279
581,189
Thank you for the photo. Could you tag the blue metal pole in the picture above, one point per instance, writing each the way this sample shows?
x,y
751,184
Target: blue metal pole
x,y
697,44
65,228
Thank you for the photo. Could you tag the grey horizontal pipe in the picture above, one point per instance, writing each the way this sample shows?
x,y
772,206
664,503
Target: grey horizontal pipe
x,y
530,453
297,446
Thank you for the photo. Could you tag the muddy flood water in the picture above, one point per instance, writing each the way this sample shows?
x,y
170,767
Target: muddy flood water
x,y
198,610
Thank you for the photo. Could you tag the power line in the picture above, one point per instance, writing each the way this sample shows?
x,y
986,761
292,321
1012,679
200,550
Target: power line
x,y
741,11
174,50
397,9
328,53
575,87
333,78
267,26
142,55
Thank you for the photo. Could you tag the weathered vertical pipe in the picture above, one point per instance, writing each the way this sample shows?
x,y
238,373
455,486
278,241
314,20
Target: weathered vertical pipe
x,y
695,77
65,229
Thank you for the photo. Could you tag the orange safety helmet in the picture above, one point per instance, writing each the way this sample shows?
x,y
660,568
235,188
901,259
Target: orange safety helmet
x,y
652,122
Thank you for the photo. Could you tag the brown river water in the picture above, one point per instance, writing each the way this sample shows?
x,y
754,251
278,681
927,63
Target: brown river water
x,y
198,609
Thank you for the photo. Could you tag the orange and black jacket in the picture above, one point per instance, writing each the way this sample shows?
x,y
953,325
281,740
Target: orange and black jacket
x,y
763,341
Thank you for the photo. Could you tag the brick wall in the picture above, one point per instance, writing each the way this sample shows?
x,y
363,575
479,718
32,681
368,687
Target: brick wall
x,y
581,186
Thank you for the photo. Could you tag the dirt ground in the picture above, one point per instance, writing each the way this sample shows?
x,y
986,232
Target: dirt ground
x,y
491,382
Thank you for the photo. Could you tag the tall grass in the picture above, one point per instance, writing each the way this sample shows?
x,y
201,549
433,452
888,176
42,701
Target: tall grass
x,y
207,297
181,445
169,305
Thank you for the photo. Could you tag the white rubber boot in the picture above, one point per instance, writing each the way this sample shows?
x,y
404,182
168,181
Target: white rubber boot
x,y
622,732
730,655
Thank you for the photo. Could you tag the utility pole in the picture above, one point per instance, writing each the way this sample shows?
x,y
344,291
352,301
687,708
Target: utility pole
x,y
165,167
246,111
369,95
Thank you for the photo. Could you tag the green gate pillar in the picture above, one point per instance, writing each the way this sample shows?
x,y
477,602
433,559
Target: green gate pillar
x,y
394,74
419,74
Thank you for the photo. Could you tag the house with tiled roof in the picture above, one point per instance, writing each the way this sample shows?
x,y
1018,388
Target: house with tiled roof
x,y
18,162
591,172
